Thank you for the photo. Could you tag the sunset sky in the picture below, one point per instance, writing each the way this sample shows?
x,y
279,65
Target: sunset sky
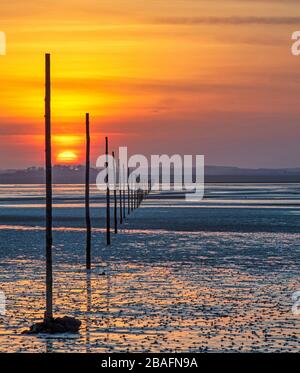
x,y
210,77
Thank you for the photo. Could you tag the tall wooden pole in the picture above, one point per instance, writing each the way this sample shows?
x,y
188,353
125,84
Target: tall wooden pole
x,y
107,196
115,196
49,276
87,193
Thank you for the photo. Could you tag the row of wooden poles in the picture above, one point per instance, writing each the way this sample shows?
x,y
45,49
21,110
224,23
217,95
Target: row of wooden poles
x,y
134,197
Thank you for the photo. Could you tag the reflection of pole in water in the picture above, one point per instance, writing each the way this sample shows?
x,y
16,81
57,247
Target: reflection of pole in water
x,y
108,302
88,310
49,345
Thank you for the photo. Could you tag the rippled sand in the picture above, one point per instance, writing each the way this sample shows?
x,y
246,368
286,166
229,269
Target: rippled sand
x,y
157,290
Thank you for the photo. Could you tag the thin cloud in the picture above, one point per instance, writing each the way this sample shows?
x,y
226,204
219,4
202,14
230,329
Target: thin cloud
x,y
227,20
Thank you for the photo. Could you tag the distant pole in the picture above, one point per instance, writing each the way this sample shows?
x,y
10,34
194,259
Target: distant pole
x,y
124,197
132,196
131,199
150,180
128,193
49,275
115,195
120,193
136,199
87,193
107,197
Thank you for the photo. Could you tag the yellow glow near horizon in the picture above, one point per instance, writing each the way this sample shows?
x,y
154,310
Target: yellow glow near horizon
x,y
66,140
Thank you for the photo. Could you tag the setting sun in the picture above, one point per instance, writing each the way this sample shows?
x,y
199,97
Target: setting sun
x,y
67,157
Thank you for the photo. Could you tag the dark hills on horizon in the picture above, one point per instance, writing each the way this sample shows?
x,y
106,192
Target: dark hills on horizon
x,y
217,174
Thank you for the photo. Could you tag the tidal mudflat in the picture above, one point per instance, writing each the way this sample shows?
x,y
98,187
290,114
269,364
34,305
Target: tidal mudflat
x,y
213,276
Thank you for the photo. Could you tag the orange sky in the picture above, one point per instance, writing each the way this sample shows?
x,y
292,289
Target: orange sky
x,y
165,76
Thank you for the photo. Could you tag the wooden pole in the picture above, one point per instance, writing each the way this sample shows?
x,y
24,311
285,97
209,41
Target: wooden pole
x,y
128,193
124,197
120,193
115,196
49,276
134,187
87,194
137,198
134,197
131,199
107,197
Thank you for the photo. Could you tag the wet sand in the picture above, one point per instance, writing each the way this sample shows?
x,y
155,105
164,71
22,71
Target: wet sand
x,y
174,279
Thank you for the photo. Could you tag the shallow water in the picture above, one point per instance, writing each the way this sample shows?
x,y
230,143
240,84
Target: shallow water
x,y
178,277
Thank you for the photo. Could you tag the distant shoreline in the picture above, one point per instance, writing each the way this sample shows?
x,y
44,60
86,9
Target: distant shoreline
x,y
208,180
213,174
